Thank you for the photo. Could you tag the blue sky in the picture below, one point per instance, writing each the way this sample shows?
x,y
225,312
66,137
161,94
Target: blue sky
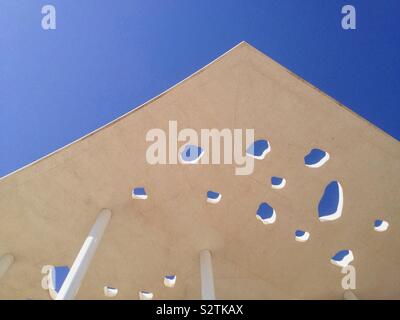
x,y
107,57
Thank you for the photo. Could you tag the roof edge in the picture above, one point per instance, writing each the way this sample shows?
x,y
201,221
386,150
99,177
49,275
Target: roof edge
x,y
125,114
293,74
242,43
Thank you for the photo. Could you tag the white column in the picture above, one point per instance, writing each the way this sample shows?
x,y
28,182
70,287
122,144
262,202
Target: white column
x,y
349,295
77,272
207,278
6,261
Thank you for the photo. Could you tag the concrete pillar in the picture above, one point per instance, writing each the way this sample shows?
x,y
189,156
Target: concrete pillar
x,y
6,260
75,276
349,295
207,278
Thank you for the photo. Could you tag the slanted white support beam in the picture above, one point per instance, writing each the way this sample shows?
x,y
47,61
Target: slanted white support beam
x,y
207,277
349,295
75,276
6,260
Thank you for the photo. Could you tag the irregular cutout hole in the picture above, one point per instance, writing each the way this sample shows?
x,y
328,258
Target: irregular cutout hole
x,y
266,213
213,197
145,295
381,225
342,258
139,193
54,279
278,183
331,204
169,281
301,235
258,149
191,154
110,292
316,158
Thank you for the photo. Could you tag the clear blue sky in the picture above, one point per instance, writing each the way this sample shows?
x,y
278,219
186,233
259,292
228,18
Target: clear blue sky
x,y
107,57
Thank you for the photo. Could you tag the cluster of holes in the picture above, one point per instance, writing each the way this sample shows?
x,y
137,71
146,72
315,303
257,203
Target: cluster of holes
x,y
56,275
330,206
169,282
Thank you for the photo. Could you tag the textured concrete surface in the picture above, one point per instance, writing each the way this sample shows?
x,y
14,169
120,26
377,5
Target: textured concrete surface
x,y
48,207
